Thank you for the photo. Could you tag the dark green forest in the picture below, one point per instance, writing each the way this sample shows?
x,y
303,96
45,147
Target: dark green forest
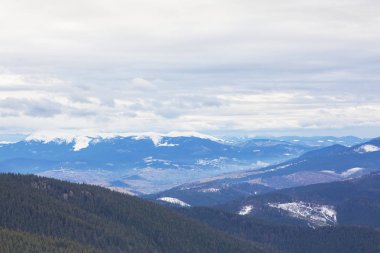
x,y
14,241
290,238
46,215
67,217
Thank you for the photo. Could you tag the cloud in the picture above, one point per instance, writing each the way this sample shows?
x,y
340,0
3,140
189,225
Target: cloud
x,y
35,108
142,84
213,66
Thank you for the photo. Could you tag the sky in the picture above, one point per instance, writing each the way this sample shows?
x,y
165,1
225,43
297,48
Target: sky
x,y
241,67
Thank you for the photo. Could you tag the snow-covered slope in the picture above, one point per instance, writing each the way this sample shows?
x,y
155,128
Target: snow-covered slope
x,y
245,210
83,141
174,201
314,214
367,148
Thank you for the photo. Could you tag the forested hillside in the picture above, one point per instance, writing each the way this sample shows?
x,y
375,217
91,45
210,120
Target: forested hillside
x,y
349,202
84,217
14,241
290,238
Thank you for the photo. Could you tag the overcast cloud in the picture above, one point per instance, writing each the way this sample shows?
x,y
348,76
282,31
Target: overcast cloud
x,y
220,67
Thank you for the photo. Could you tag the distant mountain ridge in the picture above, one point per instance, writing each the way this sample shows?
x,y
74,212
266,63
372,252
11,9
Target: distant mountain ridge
x,y
333,163
139,163
315,141
83,141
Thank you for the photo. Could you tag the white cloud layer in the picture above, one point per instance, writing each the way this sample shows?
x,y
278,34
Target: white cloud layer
x,y
220,67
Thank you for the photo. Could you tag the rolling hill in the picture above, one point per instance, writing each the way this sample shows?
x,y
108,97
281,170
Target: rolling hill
x,y
350,202
289,238
336,217
45,213
333,163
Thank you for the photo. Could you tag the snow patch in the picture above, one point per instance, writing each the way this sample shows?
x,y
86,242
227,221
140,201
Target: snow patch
x,y
165,144
81,143
217,162
174,201
328,171
286,165
351,171
210,190
346,173
150,160
367,148
245,210
156,139
319,215
51,137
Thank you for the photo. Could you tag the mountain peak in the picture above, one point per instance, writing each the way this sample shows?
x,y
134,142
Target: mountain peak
x,y
81,141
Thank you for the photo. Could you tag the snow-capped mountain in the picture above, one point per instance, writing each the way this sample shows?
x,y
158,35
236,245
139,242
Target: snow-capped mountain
x,y
138,162
314,214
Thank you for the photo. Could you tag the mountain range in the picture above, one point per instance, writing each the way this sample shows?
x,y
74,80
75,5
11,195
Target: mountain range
x,y
244,196
333,163
144,163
